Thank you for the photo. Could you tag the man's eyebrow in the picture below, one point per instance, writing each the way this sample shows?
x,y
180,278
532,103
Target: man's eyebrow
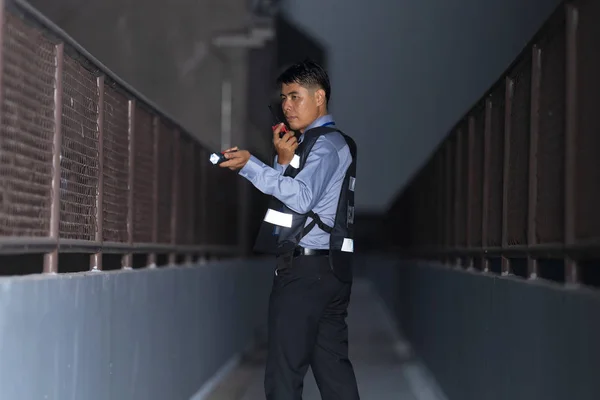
x,y
294,92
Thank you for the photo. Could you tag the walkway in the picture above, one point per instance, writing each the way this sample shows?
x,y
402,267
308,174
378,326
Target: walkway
x,y
384,367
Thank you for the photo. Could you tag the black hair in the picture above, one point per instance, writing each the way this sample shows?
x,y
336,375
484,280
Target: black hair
x,y
308,74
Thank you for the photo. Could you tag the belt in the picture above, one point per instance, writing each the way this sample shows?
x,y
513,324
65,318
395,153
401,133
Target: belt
x,y
284,261
301,251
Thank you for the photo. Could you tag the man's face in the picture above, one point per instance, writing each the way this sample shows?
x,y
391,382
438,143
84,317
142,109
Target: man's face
x,y
300,105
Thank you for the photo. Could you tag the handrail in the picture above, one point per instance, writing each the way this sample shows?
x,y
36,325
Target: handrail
x,y
90,165
32,13
516,178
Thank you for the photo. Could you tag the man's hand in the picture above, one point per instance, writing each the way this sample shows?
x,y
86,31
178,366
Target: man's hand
x,y
286,146
236,159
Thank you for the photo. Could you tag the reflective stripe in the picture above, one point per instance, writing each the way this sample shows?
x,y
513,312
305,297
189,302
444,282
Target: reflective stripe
x,y
348,245
278,218
295,161
352,183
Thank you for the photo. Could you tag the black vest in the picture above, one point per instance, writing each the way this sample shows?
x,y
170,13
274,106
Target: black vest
x,y
283,228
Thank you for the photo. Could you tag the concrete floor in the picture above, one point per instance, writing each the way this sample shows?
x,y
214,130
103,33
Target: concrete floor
x,y
384,366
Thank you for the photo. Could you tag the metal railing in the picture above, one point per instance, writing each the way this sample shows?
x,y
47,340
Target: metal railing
x,y
89,165
515,186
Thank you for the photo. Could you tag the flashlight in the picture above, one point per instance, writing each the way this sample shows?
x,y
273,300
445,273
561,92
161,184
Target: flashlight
x,y
218,158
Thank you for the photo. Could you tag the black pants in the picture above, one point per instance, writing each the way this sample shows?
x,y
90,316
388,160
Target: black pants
x,y
307,326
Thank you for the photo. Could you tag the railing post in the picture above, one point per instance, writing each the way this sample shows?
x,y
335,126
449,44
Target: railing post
x,y
487,149
155,150
192,206
51,259
175,194
440,183
457,187
127,260
571,267
536,76
96,259
450,242
470,184
505,172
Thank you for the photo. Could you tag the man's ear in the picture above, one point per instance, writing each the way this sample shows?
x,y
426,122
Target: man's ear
x,y
320,97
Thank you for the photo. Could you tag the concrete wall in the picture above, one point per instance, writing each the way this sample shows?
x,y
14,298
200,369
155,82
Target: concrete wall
x,y
143,334
164,52
487,337
403,72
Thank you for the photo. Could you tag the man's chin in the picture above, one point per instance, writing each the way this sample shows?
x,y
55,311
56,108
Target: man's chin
x,y
296,127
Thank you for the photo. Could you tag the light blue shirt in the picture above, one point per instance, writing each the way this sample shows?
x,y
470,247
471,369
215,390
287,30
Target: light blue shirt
x,y
317,187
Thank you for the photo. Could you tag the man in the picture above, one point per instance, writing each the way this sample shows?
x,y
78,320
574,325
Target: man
x,y
309,227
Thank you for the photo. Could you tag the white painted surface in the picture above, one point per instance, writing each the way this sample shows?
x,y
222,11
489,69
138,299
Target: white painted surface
x,y
150,334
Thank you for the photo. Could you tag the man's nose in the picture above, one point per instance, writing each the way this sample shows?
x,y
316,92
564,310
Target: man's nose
x,y
286,105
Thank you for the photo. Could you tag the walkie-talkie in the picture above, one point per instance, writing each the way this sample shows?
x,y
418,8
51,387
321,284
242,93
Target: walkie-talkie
x,y
277,121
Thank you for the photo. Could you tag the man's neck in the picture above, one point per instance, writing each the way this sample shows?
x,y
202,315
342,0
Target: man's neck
x,y
311,125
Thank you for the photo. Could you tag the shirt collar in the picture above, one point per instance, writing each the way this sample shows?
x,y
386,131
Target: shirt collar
x,y
325,119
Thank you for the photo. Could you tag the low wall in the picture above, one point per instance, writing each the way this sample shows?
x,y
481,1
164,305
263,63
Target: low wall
x,y
495,338
142,334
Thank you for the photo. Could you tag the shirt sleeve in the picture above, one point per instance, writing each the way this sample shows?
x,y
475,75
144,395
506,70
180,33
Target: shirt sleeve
x,y
301,193
278,167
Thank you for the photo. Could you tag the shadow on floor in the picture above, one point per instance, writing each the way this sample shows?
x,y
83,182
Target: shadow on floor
x,y
385,366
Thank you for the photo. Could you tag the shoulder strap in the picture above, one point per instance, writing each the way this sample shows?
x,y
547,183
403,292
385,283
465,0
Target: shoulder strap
x,y
316,221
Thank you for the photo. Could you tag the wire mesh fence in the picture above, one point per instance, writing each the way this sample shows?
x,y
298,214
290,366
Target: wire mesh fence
x,y
27,129
516,179
88,165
